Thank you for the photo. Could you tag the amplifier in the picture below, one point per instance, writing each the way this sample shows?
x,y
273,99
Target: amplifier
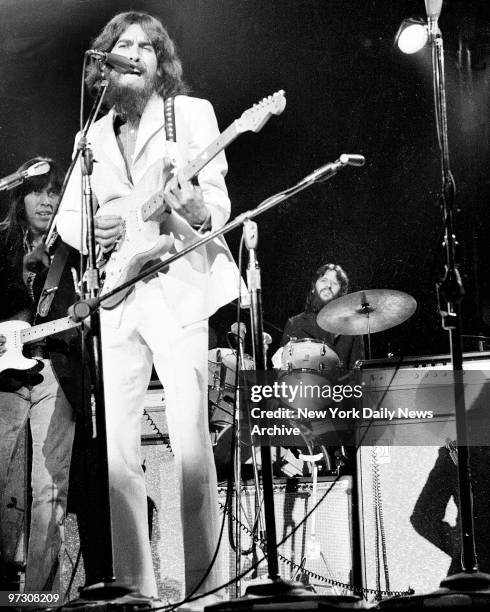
x,y
476,360
323,558
318,553
391,478
420,385
392,471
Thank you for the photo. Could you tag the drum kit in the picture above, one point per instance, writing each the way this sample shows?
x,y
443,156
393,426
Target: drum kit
x,y
307,359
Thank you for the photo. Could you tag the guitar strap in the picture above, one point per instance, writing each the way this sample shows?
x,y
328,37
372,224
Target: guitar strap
x,y
169,116
52,280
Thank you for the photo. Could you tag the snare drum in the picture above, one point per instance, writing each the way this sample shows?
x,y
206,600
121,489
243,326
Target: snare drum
x,y
312,363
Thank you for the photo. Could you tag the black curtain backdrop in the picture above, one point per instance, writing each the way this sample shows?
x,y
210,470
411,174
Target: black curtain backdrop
x,y
348,90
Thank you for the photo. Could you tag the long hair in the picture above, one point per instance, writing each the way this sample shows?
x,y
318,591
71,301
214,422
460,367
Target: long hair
x,y
14,225
313,303
169,81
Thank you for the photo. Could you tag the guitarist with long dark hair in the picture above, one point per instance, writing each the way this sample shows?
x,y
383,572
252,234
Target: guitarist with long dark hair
x,y
164,320
42,397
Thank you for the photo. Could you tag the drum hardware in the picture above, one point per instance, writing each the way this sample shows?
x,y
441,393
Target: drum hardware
x,y
224,408
313,550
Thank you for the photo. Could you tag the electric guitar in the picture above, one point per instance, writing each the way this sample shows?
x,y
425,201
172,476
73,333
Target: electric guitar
x,y
18,333
141,241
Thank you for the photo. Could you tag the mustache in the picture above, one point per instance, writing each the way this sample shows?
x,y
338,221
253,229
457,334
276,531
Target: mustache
x,y
127,100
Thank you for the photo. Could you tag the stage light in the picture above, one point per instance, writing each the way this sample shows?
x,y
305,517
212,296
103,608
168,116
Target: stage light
x,y
412,35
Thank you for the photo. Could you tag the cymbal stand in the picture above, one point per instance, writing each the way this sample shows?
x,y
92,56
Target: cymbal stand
x,y
367,310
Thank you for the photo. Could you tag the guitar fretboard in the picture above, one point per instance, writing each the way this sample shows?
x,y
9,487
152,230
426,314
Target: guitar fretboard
x,y
46,329
192,169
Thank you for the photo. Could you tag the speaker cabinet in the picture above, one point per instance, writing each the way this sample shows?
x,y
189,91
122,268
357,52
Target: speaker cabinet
x,y
318,553
392,474
401,473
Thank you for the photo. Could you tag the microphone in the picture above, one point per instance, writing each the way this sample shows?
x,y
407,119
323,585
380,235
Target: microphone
x,y
266,338
12,180
346,159
114,60
352,159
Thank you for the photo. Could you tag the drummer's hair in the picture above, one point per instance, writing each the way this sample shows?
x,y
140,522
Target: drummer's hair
x,y
313,303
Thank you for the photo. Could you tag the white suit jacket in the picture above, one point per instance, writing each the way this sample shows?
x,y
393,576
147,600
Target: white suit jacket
x,y
198,284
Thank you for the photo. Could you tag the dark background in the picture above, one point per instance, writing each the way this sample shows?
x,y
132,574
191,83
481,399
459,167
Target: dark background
x,y
348,90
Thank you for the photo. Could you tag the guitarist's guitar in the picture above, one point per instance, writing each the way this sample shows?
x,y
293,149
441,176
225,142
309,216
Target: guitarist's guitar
x,y
18,333
141,241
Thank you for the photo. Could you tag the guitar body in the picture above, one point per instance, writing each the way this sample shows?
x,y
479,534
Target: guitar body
x,y
13,359
141,242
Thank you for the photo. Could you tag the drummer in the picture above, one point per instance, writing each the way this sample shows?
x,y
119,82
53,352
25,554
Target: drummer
x,y
329,282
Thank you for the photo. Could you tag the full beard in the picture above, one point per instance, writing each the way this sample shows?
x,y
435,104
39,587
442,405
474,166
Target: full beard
x,y
129,102
317,303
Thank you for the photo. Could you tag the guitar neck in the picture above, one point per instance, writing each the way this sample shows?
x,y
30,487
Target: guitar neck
x,y
192,169
46,329
224,139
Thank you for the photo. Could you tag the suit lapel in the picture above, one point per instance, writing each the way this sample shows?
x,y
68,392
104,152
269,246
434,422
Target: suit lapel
x,y
110,146
152,120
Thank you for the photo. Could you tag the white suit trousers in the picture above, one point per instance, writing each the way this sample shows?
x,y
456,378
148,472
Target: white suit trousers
x,y
149,333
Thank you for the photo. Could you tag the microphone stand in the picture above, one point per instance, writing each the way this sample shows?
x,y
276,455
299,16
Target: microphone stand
x,y
320,175
105,587
277,589
250,233
99,434
52,234
450,293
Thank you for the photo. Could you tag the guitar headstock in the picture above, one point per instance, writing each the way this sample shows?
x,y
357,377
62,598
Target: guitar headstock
x,y
256,117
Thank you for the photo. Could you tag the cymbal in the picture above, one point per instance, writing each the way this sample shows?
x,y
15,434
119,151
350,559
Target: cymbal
x,y
369,311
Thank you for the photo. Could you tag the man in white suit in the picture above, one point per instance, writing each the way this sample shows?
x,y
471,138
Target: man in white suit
x,y
164,320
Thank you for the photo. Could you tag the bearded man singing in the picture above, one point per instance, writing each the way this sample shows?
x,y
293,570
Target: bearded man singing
x,y
165,319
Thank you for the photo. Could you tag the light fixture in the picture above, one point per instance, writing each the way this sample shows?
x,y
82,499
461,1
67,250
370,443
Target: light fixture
x,y
412,35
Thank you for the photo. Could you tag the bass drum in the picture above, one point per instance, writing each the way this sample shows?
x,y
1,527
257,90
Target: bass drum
x,y
311,365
